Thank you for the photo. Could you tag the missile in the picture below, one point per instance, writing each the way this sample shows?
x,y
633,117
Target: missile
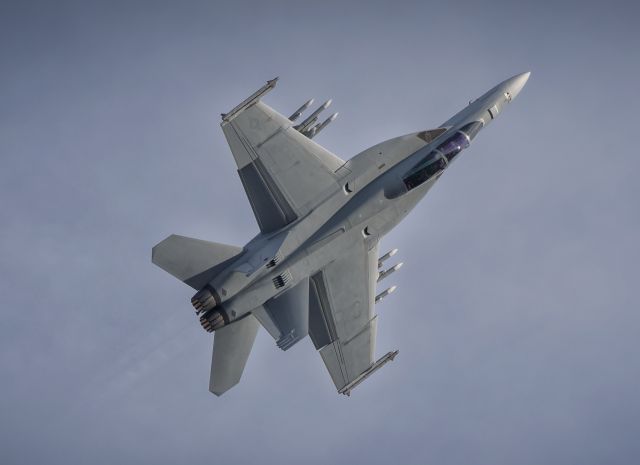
x,y
389,356
304,129
296,114
326,122
319,127
386,256
251,99
383,294
311,132
393,269
312,117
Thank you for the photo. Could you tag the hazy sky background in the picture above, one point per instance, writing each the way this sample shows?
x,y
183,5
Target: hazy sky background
x,y
516,316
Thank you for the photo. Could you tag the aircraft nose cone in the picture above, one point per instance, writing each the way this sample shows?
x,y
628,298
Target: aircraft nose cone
x,y
516,83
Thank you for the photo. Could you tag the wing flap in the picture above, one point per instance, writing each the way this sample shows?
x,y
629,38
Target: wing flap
x,y
331,356
271,209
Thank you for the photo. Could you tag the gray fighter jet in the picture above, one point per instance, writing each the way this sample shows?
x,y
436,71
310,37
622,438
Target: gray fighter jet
x,y
314,267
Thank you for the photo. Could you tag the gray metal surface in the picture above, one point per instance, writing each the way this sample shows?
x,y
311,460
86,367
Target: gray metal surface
x,y
284,173
289,313
345,297
314,267
193,261
231,348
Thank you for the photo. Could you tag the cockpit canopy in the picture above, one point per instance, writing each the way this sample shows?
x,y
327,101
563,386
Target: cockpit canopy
x,y
438,159
472,129
425,170
456,144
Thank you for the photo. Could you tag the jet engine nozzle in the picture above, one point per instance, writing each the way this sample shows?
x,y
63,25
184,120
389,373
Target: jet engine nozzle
x,y
212,320
205,299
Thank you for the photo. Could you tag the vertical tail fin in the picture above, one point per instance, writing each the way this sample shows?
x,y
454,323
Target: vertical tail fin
x,y
231,348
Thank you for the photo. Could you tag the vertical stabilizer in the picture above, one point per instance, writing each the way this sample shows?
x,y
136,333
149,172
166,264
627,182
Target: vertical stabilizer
x,y
231,348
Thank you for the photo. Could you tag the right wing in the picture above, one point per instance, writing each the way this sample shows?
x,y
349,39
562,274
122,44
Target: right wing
x,y
284,173
342,323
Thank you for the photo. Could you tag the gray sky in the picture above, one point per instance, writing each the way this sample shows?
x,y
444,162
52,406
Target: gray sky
x,y
516,316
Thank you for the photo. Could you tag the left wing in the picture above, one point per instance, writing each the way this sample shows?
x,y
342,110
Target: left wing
x,y
342,323
284,173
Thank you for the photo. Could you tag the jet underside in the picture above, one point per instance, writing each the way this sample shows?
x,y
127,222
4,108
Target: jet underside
x,y
314,267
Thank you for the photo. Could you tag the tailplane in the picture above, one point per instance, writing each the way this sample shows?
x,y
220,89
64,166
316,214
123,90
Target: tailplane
x,y
193,261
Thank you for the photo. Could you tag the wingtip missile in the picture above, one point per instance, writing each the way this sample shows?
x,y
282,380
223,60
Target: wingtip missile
x,y
388,357
249,100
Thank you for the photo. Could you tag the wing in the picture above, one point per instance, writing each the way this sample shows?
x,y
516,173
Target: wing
x,y
342,323
284,173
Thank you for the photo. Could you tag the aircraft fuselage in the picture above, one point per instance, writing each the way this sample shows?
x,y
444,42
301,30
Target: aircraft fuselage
x,y
376,190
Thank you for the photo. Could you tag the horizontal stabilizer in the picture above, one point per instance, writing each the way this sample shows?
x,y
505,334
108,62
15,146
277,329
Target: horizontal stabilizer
x,y
231,348
193,261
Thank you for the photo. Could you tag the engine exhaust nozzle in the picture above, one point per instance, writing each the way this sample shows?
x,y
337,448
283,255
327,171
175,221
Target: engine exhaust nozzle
x,y
205,299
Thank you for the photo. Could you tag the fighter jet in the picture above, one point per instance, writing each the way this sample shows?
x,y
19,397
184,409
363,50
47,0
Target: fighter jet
x,y
314,267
